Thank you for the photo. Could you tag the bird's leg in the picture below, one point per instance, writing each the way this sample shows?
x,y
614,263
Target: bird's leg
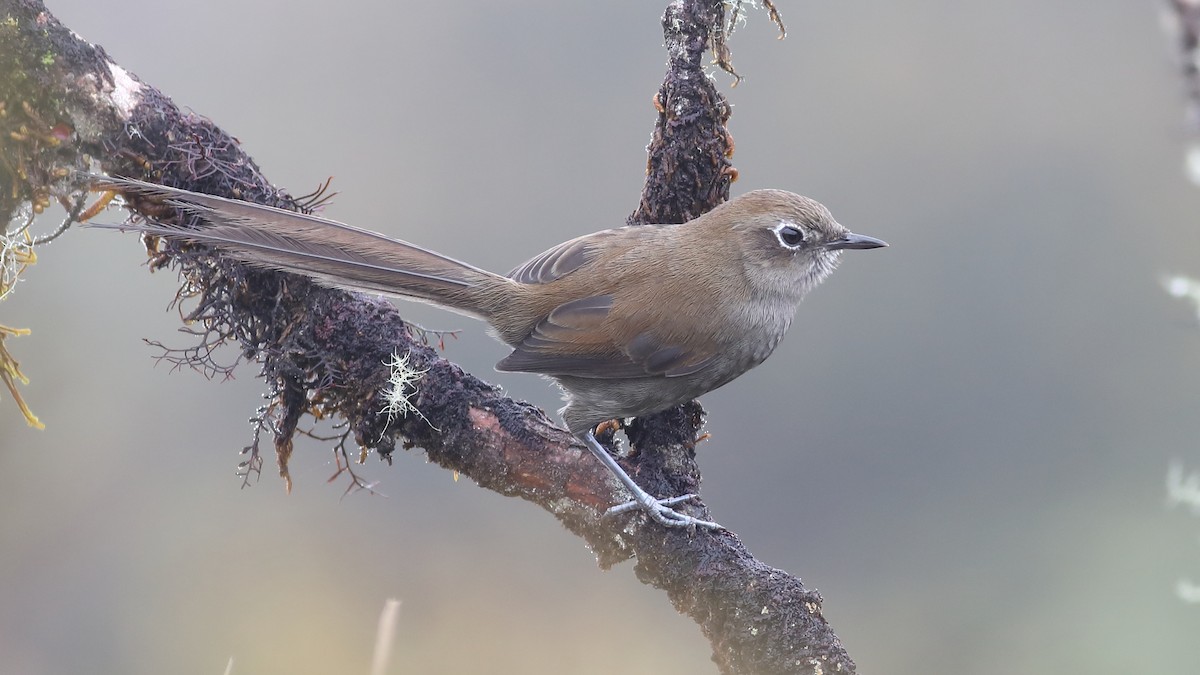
x,y
658,509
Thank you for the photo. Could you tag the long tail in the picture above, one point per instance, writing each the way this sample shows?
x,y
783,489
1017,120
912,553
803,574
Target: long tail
x,y
328,251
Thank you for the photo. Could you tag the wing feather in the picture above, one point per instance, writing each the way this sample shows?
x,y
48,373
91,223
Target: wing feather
x,y
571,340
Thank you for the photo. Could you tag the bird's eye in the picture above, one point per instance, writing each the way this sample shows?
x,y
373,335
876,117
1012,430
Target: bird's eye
x,y
790,236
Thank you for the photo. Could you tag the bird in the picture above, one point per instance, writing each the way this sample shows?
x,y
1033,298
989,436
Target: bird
x,y
627,321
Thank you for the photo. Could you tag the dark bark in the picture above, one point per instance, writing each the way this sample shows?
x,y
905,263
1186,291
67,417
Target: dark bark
x,y
321,350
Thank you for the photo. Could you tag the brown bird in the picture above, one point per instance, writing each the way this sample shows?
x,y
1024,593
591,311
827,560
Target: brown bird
x,y
628,322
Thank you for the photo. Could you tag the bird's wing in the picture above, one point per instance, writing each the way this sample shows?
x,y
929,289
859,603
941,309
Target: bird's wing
x,y
569,256
571,341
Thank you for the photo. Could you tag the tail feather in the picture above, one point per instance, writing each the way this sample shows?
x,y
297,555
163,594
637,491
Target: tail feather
x,y
330,252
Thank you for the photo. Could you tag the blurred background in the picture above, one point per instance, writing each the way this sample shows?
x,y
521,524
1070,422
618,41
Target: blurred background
x,y
962,444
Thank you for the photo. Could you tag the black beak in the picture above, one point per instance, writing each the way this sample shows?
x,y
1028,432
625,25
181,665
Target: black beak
x,y
851,240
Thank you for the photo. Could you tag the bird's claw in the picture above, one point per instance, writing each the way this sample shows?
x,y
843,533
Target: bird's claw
x,y
661,512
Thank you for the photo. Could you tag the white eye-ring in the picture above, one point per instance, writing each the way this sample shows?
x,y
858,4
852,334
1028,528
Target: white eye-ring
x,y
789,234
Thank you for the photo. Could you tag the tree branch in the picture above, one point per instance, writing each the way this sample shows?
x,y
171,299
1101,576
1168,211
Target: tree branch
x,y
323,352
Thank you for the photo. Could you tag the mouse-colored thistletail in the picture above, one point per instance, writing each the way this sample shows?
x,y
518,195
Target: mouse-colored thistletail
x,y
629,321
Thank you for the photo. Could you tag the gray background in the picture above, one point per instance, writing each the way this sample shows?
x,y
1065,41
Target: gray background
x,y
962,443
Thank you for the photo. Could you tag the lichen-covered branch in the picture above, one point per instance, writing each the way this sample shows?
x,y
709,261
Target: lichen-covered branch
x,y
325,352
1183,18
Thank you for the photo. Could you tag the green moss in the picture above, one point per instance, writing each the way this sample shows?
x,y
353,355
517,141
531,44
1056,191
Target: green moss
x,y
32,106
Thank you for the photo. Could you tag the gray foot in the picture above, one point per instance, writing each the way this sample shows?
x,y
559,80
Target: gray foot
x,y
661,512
